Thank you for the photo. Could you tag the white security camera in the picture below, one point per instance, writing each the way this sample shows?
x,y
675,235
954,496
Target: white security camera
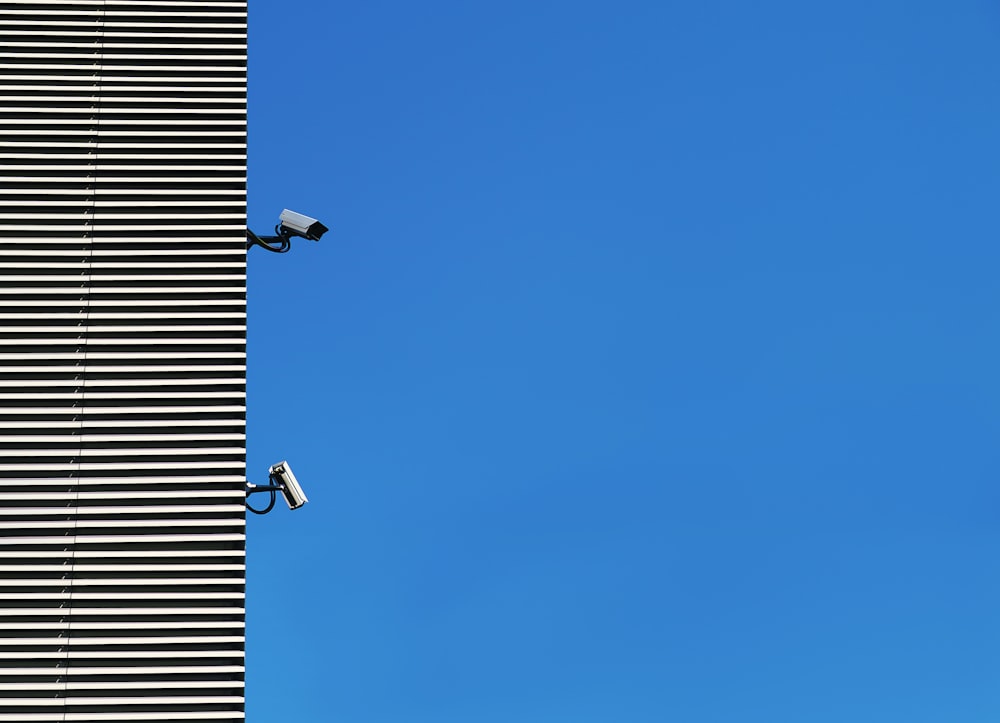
x,y
290,224
298,224
281,475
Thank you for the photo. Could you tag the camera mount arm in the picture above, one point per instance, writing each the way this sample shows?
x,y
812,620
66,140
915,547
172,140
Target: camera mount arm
x,y
283,241
273,489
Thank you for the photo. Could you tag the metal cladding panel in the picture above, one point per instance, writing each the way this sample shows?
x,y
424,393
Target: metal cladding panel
x,y
122,359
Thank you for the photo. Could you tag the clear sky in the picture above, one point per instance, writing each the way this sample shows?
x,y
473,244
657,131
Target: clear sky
x,y
648,373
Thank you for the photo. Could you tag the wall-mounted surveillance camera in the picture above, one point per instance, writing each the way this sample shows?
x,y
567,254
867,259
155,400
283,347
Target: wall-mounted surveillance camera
x,y
290,224
281,480
298,224
281,474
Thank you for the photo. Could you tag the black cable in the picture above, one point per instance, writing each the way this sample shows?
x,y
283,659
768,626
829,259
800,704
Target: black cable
x,y
284,242
270,505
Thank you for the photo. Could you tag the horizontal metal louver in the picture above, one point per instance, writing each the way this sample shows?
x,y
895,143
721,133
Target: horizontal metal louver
x,y
122,359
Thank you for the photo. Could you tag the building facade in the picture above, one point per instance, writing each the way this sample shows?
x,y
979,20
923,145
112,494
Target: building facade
x,y
122,359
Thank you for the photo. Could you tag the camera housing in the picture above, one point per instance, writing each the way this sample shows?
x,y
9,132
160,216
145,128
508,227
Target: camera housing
x,y
291,490
298,224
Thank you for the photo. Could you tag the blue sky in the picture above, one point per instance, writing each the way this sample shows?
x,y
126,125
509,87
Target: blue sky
x,y
649,371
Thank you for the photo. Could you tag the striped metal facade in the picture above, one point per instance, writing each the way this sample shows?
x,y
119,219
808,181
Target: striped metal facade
x,y
122,359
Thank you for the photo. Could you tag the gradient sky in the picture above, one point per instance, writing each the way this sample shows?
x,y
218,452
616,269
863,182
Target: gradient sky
x,y
648,373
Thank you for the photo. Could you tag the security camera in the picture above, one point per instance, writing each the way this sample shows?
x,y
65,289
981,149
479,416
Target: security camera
x,y
290,224
281,475
301,225
281,480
